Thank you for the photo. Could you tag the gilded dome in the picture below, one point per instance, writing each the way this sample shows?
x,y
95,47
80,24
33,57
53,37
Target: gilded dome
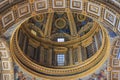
x,y
59,39
65,44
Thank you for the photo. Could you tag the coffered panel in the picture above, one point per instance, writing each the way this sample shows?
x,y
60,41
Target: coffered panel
x,y
115,62
59,3
2,45
41,5
6,76
24,10
110,17
76,4
118,43
4,53
8,18
115,51
94,8
6,65
115,75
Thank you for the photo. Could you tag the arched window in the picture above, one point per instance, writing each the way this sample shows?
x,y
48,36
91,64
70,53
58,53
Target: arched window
x,y
60,59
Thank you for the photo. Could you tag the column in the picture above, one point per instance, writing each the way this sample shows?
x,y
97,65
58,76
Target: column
x,y
70,57
79,54
25,45
42,55
84,54
96,43
50,57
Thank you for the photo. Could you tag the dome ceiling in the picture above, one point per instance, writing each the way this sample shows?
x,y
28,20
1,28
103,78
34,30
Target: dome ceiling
x,y
59,46
62,29
60,26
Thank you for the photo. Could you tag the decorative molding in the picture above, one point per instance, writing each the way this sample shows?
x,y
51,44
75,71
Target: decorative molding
x,y
76,4
59,3
110,17
2,45
8,18
6,65
3,1
6,76
115,75
115,62
41,5
115,51
118,43
94,8
116,2
4,53
24,10
6,62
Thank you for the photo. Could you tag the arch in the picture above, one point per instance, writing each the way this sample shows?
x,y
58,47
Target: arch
x,y
6,63
113,59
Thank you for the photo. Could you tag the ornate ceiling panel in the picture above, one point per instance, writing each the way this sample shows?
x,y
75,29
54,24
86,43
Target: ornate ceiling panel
x,y
94,9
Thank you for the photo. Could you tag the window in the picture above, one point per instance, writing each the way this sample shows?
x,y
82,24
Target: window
x,y
118,56
60,59
119,26
89,50
60,40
